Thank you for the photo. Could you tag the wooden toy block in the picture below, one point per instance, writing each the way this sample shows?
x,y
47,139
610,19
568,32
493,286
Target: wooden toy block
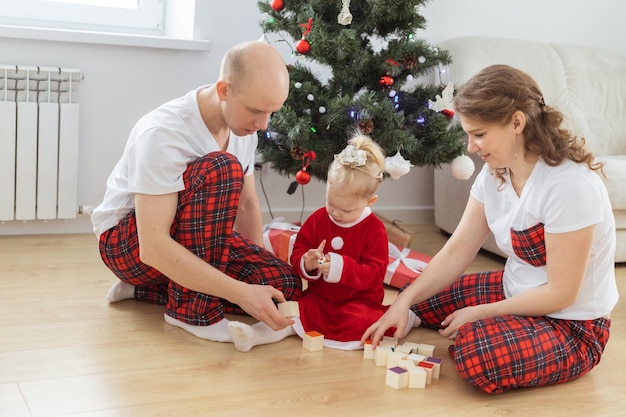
x,y
417,377
289,309
428,367
414,346
416,358
313,341
394,357
404,348
389,340
368,350
409,347
397,377
437,365
406,364
381,355
426,350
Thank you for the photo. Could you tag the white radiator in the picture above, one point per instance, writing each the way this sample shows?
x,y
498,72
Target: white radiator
x,y
38,142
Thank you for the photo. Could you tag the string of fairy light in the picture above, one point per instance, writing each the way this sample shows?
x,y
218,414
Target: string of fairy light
x,y
303,47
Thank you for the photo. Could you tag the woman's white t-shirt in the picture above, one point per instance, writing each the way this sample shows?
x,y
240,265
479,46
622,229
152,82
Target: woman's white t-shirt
x,y
157,153
563,198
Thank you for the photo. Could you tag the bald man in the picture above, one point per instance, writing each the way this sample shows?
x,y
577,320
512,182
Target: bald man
x,y
180,224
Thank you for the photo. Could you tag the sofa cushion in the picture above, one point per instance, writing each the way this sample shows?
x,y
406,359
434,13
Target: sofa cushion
x,y
596,83
537,59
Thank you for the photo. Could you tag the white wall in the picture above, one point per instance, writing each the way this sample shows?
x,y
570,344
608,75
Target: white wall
x,y
122,83
597,23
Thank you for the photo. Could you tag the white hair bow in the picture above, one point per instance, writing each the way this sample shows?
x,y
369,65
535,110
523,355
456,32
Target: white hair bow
x,y
352,156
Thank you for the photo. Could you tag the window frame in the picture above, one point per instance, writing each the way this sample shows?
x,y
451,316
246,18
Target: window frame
x,y
147,19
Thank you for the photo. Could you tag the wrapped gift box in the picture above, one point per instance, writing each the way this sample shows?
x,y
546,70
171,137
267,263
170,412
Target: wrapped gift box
x,y
279,237
397,232
405,265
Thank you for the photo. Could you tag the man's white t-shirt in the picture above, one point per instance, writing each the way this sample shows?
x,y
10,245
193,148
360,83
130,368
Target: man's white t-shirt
x,y
564,198
157,153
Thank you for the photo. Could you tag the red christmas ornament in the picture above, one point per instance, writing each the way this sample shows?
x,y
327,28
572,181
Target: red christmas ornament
x,y
278,5
303,177
448,113
386,81
303,46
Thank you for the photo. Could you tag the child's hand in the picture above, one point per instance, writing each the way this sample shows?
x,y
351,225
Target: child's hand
x,y
324,265
313,257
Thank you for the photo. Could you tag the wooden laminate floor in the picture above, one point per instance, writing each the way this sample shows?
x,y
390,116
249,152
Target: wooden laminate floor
x,y
64,351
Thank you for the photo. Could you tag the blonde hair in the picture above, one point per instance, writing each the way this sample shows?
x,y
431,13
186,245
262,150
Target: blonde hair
x,y
358,180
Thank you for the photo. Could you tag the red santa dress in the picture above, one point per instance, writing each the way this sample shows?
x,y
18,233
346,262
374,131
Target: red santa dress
x,y
345,303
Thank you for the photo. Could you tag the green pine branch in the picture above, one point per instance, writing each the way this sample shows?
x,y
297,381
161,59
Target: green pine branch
x,y
321,115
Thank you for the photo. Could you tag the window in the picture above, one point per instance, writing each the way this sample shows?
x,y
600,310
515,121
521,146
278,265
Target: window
x,y
128,16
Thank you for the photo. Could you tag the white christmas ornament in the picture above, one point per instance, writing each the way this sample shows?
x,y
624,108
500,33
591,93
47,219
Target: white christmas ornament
x,y
345,17
443,101
462,167
397,166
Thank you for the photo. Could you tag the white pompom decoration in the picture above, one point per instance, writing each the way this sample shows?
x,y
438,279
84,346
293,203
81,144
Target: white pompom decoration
x,y
397,166
462,167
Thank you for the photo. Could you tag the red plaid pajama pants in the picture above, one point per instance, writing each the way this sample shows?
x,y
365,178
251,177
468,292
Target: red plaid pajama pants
x,y
506,352
203,224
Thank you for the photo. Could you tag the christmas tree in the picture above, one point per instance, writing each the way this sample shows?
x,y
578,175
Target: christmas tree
x,y
373,57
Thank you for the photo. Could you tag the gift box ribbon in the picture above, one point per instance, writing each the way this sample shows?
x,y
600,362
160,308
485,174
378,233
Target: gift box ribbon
x,y
402,256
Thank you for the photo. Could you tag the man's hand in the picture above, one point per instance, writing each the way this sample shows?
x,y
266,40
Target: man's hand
x,y
259,302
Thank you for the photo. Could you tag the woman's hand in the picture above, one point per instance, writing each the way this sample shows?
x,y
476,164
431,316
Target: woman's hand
x,y
396,316
450,325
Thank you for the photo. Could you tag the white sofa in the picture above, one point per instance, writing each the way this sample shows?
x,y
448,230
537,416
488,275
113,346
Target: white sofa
x,y
587,84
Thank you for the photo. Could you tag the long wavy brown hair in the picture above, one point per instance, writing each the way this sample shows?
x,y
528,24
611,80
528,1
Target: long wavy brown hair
x,y
498,91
